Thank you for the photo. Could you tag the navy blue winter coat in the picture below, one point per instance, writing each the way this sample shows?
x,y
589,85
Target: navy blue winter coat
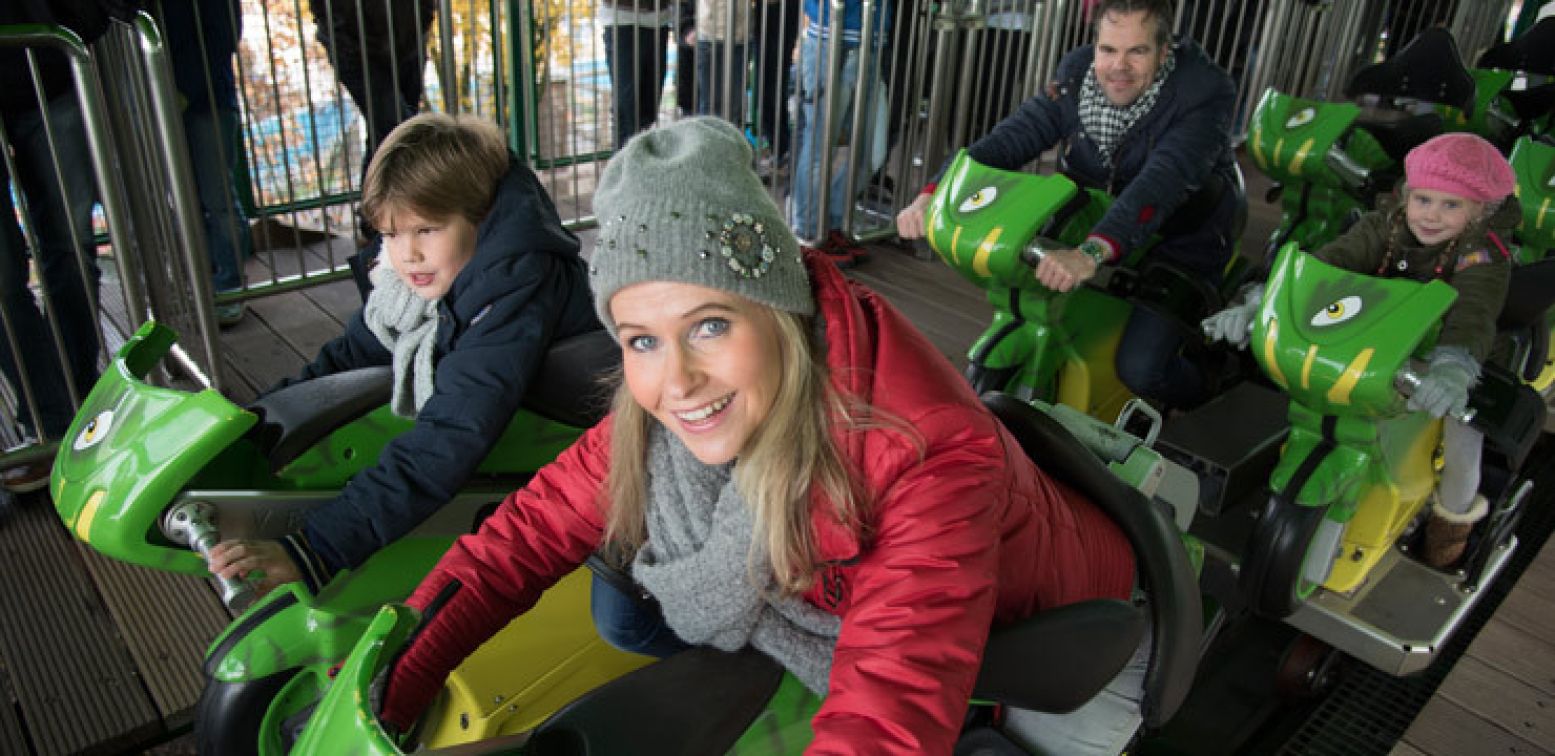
x,y
525,287
1175,161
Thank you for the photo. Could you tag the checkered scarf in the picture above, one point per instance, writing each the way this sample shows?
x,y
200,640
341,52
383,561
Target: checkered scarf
x,y
1106,123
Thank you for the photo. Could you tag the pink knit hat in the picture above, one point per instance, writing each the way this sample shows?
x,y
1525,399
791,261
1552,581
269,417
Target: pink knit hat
x,y
1461,164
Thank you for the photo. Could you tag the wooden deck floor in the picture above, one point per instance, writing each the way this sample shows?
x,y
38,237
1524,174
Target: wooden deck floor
x,y
1500,696
101,657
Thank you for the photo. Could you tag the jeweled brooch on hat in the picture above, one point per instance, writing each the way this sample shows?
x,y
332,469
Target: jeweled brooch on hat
x,y
743,243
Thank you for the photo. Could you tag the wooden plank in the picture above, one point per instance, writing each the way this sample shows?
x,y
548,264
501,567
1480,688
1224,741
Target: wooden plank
x,y
340,300
1529,609
1497,697
1444,728
13,739
298,321
74,679
1539,577
167,620
258,356
1517,652
931,280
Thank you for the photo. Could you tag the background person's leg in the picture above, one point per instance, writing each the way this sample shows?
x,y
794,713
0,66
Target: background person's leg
x,y
60,186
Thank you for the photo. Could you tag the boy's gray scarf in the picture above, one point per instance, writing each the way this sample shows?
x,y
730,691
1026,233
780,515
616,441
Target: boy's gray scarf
x,y
407,326
1106,123
699,562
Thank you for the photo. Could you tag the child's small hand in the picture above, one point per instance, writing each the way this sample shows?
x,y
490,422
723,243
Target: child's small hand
x,y
238,559
1444,389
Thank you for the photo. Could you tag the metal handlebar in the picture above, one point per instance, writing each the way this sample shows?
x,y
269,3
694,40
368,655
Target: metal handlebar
x,y
1033,253
192,523
1352,173
1407,381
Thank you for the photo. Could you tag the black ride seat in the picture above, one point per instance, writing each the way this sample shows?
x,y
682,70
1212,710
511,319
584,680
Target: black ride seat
x,y
1429,68
1398,133
1532,52
1165,574
565,389
1508,411
1533,102
1529,294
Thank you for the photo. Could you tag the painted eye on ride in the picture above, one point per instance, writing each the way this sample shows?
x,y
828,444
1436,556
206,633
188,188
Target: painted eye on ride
x,y
1301,118
980,199
95,431
1338,311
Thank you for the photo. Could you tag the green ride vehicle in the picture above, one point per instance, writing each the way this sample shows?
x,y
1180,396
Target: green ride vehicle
x,y
992,226
155,476
1329,161
1331,551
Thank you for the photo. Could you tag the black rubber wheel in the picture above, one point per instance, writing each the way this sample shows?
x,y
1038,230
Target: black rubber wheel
x,y
1308,669
1270,580
229,716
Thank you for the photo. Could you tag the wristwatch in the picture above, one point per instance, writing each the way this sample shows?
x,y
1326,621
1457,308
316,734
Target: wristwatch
x,y
1095,250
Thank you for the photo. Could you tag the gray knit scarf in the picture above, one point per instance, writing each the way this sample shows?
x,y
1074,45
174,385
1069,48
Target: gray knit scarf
x,y
1106,123
700,563
406,325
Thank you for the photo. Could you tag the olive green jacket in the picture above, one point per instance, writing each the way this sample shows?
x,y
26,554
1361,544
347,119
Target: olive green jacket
x,y
1479,270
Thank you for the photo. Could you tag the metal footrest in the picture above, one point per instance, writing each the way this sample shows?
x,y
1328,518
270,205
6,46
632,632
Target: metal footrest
x,y
1401,617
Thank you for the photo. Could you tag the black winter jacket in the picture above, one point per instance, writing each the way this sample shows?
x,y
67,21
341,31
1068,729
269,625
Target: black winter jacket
x,y
525,287
1182,146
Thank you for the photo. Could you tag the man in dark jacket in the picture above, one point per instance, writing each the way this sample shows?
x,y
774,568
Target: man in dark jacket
x,y
475,278
1146,119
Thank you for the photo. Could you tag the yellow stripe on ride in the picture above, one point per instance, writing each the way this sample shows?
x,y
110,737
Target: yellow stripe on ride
x,y
1279,144
1263,160
1340,393
1306,366
980,262
83,524
1301,156
955,246
931,223
1269,336
1543,208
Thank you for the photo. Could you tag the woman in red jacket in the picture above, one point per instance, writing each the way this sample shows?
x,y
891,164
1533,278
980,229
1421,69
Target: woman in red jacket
x,y
788,465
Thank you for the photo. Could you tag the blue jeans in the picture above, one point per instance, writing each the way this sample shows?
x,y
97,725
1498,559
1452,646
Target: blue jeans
x,y
631,625
1150,359
812,164
637,57
213,149
59,207
711,89
1151,364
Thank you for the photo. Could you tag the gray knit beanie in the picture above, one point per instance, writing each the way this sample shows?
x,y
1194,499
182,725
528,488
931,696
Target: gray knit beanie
x,y
681,203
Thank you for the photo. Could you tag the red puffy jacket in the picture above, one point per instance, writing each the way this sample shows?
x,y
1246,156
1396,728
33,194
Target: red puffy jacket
x,y
963,532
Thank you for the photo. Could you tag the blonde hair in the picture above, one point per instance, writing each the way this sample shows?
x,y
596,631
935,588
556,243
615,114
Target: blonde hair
x,y
791,453
437,166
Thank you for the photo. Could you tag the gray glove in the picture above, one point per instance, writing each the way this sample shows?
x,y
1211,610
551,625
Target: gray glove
x,y
1231,324
1444,389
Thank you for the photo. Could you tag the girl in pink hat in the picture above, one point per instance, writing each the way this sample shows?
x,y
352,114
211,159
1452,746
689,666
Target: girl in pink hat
x,y
1449,222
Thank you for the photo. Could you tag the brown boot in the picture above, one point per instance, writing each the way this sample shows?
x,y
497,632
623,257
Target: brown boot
x,y
1446,532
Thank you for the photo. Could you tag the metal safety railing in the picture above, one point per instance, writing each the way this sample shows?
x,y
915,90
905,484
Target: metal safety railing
x,y
50,223
241,128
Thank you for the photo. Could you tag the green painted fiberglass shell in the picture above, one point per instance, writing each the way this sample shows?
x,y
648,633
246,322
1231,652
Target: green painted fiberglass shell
x,y
131,448
1334,339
